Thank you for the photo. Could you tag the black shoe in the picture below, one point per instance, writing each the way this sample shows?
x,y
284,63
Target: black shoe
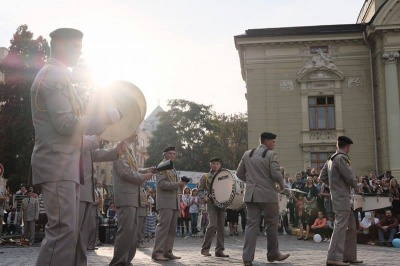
x,y
389,244
221,255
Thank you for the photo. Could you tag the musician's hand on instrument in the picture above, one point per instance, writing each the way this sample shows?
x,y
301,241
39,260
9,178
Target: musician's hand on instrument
x,y
152,170
148,176
120,148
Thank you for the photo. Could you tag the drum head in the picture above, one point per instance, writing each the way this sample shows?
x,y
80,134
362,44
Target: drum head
x,y
223,188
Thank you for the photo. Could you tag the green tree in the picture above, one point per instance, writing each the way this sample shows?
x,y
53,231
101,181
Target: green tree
x,y
228,139
25,58
184,126
198,133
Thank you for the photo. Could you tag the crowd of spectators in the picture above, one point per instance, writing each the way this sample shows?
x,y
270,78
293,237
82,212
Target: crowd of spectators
x,y
309,210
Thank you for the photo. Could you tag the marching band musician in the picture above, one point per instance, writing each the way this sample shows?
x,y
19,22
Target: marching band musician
x,y
168,188
216,215
89,197
259,168
338,174
56,159
127,180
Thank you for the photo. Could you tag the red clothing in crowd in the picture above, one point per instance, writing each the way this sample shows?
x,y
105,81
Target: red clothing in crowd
x,y
319,223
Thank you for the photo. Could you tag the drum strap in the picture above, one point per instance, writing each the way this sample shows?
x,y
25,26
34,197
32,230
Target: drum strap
x,y
336,154
263,155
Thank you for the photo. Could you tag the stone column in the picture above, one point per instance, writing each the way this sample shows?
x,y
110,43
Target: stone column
x,y
392,110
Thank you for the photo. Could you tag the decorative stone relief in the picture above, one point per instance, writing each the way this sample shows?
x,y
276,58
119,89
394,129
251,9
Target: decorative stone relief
x,y
286,84
354,82
305,50
318,61
390,57
333,49
321,85
320,75
323,135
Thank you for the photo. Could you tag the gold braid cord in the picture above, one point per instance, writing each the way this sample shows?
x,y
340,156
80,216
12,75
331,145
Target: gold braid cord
x,y
131,159
171,176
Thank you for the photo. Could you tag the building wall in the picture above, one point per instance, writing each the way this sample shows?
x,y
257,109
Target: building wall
x,y
274,97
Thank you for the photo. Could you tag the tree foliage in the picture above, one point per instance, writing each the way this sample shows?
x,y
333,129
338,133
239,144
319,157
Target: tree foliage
x,y
25,58
199,134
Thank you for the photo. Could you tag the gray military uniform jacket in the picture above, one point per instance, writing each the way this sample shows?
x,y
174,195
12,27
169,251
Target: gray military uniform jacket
x,y
205,188
167,192
30,209
92,153
126,184
260,175
58,131
341,178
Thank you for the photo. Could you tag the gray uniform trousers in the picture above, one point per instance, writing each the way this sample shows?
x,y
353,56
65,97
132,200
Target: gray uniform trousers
x,y
61,199
29,229
83,233
165,232
127,236
93,226
216,223
271,212
343,246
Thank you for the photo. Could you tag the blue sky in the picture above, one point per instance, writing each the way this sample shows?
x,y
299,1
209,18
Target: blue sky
x,y
171,49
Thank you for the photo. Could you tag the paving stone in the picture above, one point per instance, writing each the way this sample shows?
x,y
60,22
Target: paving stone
x,y
301,253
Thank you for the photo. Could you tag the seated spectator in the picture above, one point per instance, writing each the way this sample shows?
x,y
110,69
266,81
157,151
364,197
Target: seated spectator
x,y
12,222
368,225
387,228
319,226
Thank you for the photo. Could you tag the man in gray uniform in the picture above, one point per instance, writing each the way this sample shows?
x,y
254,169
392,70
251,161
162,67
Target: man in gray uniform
x,y
338,175
56,159
259,168
127,179
168,189
216,215
91,154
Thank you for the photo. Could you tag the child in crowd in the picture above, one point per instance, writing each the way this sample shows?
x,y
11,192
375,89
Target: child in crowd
x,y
304,218
330,224
319,226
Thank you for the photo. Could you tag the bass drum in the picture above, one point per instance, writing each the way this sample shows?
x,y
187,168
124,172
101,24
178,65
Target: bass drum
x,y
227,190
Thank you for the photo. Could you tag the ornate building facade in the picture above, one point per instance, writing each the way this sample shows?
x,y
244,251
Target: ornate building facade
x,y
312,84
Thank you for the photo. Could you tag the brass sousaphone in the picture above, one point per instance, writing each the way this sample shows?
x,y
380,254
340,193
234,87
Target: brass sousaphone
x,y
129,99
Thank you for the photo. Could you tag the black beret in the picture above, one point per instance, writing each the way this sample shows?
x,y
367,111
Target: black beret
x,y
345,139
66,33
169,148
215,159
267,135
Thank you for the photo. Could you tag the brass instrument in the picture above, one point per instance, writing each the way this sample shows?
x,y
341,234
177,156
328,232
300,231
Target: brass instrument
x,y
130,101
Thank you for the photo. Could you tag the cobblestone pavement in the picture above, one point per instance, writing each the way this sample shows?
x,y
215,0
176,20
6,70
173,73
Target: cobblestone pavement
x,y
302,253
